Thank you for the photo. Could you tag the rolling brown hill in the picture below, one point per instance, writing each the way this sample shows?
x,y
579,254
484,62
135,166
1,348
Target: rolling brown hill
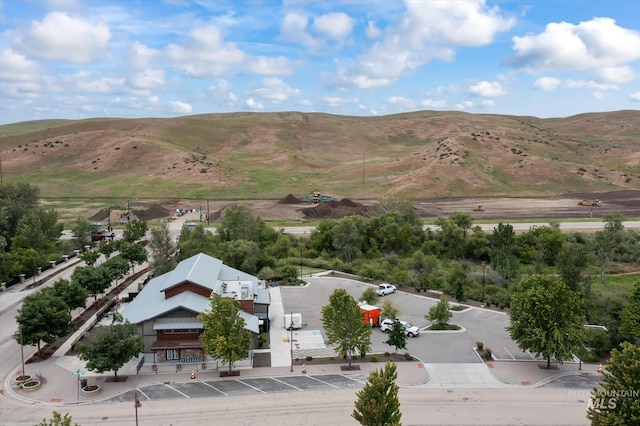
x,y
423,154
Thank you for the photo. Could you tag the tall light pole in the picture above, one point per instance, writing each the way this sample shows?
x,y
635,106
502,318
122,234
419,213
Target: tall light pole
x,y
483,264
137,405
291,341
300,265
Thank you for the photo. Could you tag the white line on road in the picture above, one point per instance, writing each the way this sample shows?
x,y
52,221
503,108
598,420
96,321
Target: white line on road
x,y
213,387
505,348
322,381
252,387
143,394
285,383
181,393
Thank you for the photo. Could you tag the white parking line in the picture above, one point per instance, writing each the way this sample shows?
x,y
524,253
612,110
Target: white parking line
x,y
505,348
322,381
285,383
181,393
252,387
143,394
213,387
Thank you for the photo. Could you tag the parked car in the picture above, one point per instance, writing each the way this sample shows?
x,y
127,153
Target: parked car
x,y
411,330
384,289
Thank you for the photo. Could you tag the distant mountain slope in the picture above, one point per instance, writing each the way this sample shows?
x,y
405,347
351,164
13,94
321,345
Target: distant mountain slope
x,y
268,155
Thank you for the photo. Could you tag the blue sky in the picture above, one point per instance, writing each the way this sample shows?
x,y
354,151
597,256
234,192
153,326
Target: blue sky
x,y
153,58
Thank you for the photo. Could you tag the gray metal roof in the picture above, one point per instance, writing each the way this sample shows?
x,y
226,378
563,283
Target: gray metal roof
x,y
263,297
200,269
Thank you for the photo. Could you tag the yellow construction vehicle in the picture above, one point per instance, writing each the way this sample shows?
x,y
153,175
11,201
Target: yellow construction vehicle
x,y
590,203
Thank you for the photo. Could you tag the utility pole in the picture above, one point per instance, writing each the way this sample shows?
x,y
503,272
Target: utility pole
x,y
208,222
291,341
136,405
483,264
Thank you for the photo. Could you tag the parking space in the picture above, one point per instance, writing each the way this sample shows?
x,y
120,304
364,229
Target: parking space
x,y
244,386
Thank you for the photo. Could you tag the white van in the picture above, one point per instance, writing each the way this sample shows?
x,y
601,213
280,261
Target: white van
x,y
292,321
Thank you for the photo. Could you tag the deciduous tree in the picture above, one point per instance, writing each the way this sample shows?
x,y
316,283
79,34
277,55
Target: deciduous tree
x,y
162,249
617,401
342,321
111,347
630,316
369,296
378,403
397,336
43,317
224,336
440,314
547,318
74,295
389,310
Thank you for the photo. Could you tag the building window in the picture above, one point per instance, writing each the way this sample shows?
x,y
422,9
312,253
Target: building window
x,y
173,354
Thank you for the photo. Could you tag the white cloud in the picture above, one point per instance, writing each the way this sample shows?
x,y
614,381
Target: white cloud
x,y
488,103
255,105
334,101
141,56
222,94
147,80
62,37
428,30
265,65
87,84
275,90
372,30
401,102
180,107
590,85
17,67
635,96
615,74
206,54
487,89
546,83
564,46
464,105
294,29
153,100
433,103
336,26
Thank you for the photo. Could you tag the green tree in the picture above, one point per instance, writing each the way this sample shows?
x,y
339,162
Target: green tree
x,y
242,254
39,228
630,316
114,269
224,336
397,336
195,241
134,231
82,230
58,420
133,253
25,260
111,347
502,252
440,314
343,324
459,281
617,402
389,310
74,295
378,403
162,248
547,318
108,248
16,201
43,317
91,278
348,237
239,223
90,257
369,296
572,260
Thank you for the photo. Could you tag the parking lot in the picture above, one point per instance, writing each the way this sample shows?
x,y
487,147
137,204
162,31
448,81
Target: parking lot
x,y
244,386
477,324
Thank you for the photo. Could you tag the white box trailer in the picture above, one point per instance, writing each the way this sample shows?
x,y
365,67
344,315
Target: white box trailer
x,y
292,320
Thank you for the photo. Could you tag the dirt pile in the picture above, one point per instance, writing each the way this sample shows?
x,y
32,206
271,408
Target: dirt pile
x,y
154,211
148,212
337,210
290,199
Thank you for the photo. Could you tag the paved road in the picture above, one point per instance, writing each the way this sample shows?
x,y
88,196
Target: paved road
x,y
418,406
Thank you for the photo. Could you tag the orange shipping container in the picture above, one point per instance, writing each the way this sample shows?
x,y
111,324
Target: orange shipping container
x,y
371,315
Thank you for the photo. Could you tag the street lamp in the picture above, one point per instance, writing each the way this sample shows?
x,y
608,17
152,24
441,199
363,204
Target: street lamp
x,y
300,264
291,341
483,265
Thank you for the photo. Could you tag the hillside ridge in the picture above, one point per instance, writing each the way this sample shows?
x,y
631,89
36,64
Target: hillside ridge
x,y
247,155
